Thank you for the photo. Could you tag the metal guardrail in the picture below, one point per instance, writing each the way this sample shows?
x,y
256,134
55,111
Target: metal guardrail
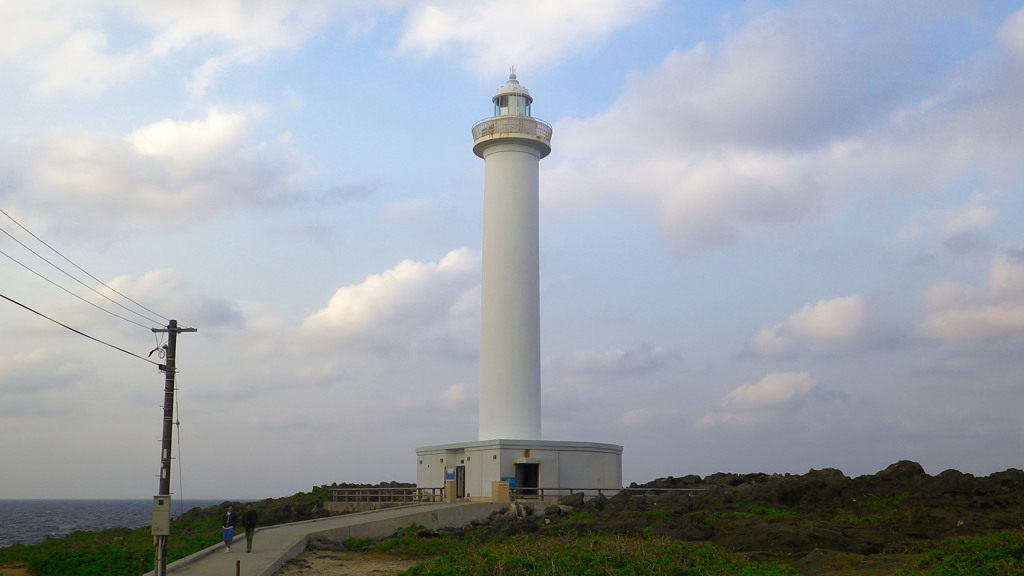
x,y
387,495
399,496
554,493
527,125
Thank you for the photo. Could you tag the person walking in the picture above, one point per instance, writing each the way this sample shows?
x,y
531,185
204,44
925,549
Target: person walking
x,y
249,520
228,524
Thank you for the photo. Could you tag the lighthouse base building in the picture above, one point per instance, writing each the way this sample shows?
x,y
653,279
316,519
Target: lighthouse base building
x,y
532,468
509,456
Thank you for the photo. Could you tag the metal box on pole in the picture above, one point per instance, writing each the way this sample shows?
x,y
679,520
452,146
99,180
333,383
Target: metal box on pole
x,y
161,515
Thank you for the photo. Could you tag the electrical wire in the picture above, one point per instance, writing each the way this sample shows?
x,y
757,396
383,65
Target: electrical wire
x,y
68,260
66,273
95,305
80,333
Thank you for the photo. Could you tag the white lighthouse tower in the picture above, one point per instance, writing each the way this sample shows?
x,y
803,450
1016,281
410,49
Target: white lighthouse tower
x,y
509,457
511,144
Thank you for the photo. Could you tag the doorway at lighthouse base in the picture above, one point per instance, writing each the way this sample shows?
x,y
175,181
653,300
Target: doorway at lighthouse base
x,y
533,467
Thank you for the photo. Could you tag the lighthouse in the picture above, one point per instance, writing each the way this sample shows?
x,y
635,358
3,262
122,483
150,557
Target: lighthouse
x,y
512,144
509,459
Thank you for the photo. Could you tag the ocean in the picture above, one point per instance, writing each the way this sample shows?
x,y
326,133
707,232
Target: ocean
x,y
32,521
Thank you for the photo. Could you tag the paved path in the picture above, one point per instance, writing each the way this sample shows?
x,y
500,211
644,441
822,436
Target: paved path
x,y
275,545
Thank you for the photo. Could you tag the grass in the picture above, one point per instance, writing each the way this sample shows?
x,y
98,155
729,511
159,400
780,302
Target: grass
x,y
123,550
756,511
999,554
574,553
108,552
572,549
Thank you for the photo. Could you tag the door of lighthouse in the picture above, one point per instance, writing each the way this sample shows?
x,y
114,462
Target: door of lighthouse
x,y
527,479
460,481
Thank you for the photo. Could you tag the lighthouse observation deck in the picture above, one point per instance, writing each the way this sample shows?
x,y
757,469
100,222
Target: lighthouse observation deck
x,y
523,128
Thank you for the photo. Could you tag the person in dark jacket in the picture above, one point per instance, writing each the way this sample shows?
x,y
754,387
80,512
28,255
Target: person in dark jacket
x,y
249,520
228,524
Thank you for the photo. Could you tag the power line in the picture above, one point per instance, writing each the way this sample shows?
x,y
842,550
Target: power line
x,y
26,267
68,260
79,332
66,273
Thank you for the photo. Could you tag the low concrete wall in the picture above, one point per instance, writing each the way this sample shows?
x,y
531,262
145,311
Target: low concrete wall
x,y
349,507
452,516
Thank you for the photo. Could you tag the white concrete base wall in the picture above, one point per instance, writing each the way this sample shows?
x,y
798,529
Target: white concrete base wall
x,y
561,465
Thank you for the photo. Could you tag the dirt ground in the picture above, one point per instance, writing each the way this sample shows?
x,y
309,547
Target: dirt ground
x,y
16,569
325,563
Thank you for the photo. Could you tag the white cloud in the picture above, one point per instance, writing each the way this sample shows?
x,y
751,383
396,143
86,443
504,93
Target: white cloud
x,y
639,358
459,396
493,34
795,111
772,391
413,306
959,227
162,174
754,404
65,45
1011,33
835,325
954,313
641,418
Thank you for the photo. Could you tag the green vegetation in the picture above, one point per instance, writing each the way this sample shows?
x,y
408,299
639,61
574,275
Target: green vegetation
x,y
882,501
655,514
875,510
124,550
114,551
996,554
417,542
573,553
756,511
635,538
581,518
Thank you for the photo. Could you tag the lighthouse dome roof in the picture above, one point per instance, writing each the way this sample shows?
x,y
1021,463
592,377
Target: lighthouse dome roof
x,y
513,87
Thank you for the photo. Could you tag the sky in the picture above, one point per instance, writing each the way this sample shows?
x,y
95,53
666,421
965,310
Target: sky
x,y
775,236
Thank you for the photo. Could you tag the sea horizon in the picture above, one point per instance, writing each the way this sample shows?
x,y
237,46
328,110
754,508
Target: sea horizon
x,y
32,520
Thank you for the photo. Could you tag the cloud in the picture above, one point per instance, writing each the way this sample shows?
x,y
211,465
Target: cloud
x,y
63,46
414,306
959,230
754,404
792,113
1011,33
165,291
641,418
600,372
638,358
67,48
835,325
39,371
956,314
491,34
160,175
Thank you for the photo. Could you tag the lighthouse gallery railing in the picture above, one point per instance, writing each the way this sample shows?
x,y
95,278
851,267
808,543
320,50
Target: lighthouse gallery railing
x,y
497,125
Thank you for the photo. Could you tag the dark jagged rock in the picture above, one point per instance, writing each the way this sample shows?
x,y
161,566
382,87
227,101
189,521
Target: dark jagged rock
x,y
821,522
900,508
571,499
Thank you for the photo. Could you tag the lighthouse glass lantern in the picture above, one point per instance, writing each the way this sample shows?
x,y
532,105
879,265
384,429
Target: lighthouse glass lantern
x,y
512,99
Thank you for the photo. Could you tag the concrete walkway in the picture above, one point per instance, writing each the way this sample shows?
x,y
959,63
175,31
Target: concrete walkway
x,y
275,545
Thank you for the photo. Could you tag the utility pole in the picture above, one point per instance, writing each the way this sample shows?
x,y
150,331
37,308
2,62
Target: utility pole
x,y
162,502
